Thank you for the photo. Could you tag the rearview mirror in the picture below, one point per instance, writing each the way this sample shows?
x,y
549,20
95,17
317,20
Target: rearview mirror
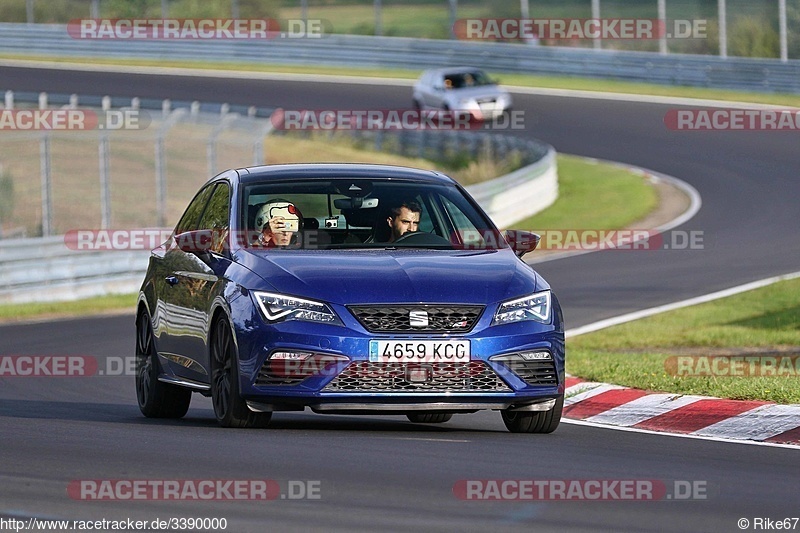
x,y
355,203
521,241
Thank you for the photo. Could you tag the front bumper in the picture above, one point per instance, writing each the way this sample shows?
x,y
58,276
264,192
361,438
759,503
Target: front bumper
x,y
482,384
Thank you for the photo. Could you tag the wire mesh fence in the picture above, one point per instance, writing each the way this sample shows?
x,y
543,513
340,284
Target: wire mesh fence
x,y
140,173
132,163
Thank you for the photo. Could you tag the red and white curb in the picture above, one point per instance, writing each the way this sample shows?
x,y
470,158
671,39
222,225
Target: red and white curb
x,y
698,416
617,407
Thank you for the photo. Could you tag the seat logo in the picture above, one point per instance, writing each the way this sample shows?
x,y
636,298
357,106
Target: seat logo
x,y
418,319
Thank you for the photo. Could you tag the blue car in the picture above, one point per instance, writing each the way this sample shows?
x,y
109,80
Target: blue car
x,y
358,289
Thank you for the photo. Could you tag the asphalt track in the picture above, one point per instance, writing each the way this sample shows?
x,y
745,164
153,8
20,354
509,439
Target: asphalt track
x,y
386,473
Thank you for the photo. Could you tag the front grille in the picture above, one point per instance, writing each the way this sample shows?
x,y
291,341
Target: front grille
x,y
364,376
536,373
397,318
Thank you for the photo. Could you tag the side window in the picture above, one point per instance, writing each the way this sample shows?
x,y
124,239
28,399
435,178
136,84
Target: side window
x,y
216,217
188,221
425,219
468,233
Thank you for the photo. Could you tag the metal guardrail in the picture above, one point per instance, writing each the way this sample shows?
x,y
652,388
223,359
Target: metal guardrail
x,y
44,269
768,75
516,196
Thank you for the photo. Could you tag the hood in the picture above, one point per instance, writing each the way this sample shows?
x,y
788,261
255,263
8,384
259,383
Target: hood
x,y
393,276
481,91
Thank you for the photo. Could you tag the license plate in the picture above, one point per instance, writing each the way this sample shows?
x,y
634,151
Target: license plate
x,y
422,351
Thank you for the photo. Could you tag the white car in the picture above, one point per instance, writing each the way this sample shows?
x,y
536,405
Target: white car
x,y
461,88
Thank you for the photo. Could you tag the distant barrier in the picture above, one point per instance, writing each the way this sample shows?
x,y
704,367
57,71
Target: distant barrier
x,y
748,74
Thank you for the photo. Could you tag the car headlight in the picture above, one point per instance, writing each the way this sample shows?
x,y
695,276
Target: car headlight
x,y
535,307
278,308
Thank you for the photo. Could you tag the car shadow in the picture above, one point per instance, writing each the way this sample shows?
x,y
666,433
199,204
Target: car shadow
x,y
116,413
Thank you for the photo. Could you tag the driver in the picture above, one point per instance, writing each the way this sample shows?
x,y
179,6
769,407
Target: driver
x,y
277,222
404,219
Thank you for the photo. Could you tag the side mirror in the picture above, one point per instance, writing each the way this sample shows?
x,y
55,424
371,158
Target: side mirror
x,y
521,241
201,242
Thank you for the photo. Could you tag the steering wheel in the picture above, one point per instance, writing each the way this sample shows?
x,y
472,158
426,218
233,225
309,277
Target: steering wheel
x,y
422,238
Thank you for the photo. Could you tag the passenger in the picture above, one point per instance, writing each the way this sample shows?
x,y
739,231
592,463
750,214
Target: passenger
x,y
277,222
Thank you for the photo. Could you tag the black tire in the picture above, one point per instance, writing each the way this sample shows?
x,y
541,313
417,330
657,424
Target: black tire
x,y
536,421
416,105
229,407
156,399
429,418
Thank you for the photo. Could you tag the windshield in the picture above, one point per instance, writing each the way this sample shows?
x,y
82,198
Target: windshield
x,y
462,80
363,214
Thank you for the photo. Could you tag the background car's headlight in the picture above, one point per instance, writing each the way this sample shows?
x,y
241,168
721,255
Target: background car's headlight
x,y
535,307
278,307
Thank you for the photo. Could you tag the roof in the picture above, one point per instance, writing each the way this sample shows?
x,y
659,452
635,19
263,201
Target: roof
x,y
339,170
453,70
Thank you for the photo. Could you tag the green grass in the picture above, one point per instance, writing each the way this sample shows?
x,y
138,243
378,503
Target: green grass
x,y
594,196
420,21
520,80
637,354
85,307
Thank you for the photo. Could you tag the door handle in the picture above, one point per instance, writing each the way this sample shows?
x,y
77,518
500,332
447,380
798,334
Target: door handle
x,y
172,280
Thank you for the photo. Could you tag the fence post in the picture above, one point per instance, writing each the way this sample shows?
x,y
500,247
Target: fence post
x,y
782,30
46,177
378,18
662,18
258,145
9,100
211,144
161,162
723,28
103,149
47,185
